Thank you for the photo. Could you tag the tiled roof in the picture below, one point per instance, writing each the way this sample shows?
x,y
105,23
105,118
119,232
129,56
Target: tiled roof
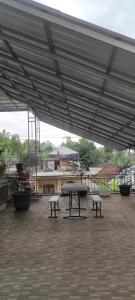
x,y
113,170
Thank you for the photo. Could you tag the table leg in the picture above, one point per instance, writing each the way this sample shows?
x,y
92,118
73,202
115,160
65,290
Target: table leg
x,y
51,209
70,203
54,207
79,202
74,208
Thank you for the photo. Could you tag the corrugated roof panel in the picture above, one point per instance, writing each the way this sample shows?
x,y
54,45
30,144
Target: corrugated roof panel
x,y
80,90
21,45
22,22
83,47
30,55
124,63
80,77
73,74
121,91
9,64
2,45
25,40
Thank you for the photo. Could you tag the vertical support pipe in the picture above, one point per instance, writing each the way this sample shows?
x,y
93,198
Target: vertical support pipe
x,y
28,140
36,150
33,143
130,172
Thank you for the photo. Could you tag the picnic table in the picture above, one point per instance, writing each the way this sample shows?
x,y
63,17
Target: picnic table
x,y
71,189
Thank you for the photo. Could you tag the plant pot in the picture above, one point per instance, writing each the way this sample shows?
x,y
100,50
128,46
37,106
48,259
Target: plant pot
x,y
124,189
83,193
22,200
19,167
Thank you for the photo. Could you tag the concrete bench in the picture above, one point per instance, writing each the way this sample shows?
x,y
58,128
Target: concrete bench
x,y
97,205
54,203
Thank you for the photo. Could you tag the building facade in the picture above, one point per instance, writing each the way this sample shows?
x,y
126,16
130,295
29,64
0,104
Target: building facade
x,y
51,182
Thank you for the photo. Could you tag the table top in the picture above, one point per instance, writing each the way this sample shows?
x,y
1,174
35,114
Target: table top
x,y
54,198
74,187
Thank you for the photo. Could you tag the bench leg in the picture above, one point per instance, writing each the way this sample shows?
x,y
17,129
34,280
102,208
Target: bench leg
x,y
98,210
58,209
93,205
53,209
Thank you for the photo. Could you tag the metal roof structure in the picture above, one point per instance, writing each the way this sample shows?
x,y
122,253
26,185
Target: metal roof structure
x,y
73,75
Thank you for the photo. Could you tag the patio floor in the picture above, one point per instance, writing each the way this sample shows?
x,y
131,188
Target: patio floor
x,y
61,259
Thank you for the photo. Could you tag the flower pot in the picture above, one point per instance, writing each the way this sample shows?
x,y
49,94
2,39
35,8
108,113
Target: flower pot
x,y
22,200
124,189
83,193
19,167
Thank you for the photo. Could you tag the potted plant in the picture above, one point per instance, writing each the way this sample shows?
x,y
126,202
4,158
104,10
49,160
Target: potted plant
x,y
125,183
3,182
19,167
22,197
124,189
2,164
22,200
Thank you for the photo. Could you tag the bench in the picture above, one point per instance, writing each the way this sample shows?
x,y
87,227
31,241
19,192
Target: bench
x,y
54,203
97,205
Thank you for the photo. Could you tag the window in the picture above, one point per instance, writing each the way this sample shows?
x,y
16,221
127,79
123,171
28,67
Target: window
x,y
48,188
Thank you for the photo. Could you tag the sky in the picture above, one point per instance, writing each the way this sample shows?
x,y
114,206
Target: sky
x,y
17,122
116,15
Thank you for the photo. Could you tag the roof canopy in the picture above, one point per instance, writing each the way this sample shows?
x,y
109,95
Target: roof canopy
x,y
74,75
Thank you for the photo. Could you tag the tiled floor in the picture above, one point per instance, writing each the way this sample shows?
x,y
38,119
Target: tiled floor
x,y
61,259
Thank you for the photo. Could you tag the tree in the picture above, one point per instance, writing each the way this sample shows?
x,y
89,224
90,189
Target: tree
x,y
5,146
13,150
120,158
45,148
16,146
86,149
87,152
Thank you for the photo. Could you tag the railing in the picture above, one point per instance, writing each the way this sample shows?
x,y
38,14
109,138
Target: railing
x,y
7,188
4,191
105,183
108,183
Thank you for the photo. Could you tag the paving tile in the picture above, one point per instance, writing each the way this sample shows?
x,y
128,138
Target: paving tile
x,y
61,259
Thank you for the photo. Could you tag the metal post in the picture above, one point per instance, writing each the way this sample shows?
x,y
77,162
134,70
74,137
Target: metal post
x,y
36,150
130,169
28,142
33,142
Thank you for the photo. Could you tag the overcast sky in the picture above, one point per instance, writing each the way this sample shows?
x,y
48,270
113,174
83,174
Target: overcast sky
x,y
116,15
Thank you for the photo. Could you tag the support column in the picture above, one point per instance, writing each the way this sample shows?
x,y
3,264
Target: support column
x,y
33,143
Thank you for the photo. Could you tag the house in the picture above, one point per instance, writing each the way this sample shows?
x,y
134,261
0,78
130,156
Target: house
x,y
51,182
109,171
62,158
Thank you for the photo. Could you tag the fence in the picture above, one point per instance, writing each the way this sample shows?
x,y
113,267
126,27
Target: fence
x,y
4,191
109,182
105,183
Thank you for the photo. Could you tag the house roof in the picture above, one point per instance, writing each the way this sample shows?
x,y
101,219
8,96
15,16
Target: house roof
x,y
72,74
56,174
62,151
110,170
